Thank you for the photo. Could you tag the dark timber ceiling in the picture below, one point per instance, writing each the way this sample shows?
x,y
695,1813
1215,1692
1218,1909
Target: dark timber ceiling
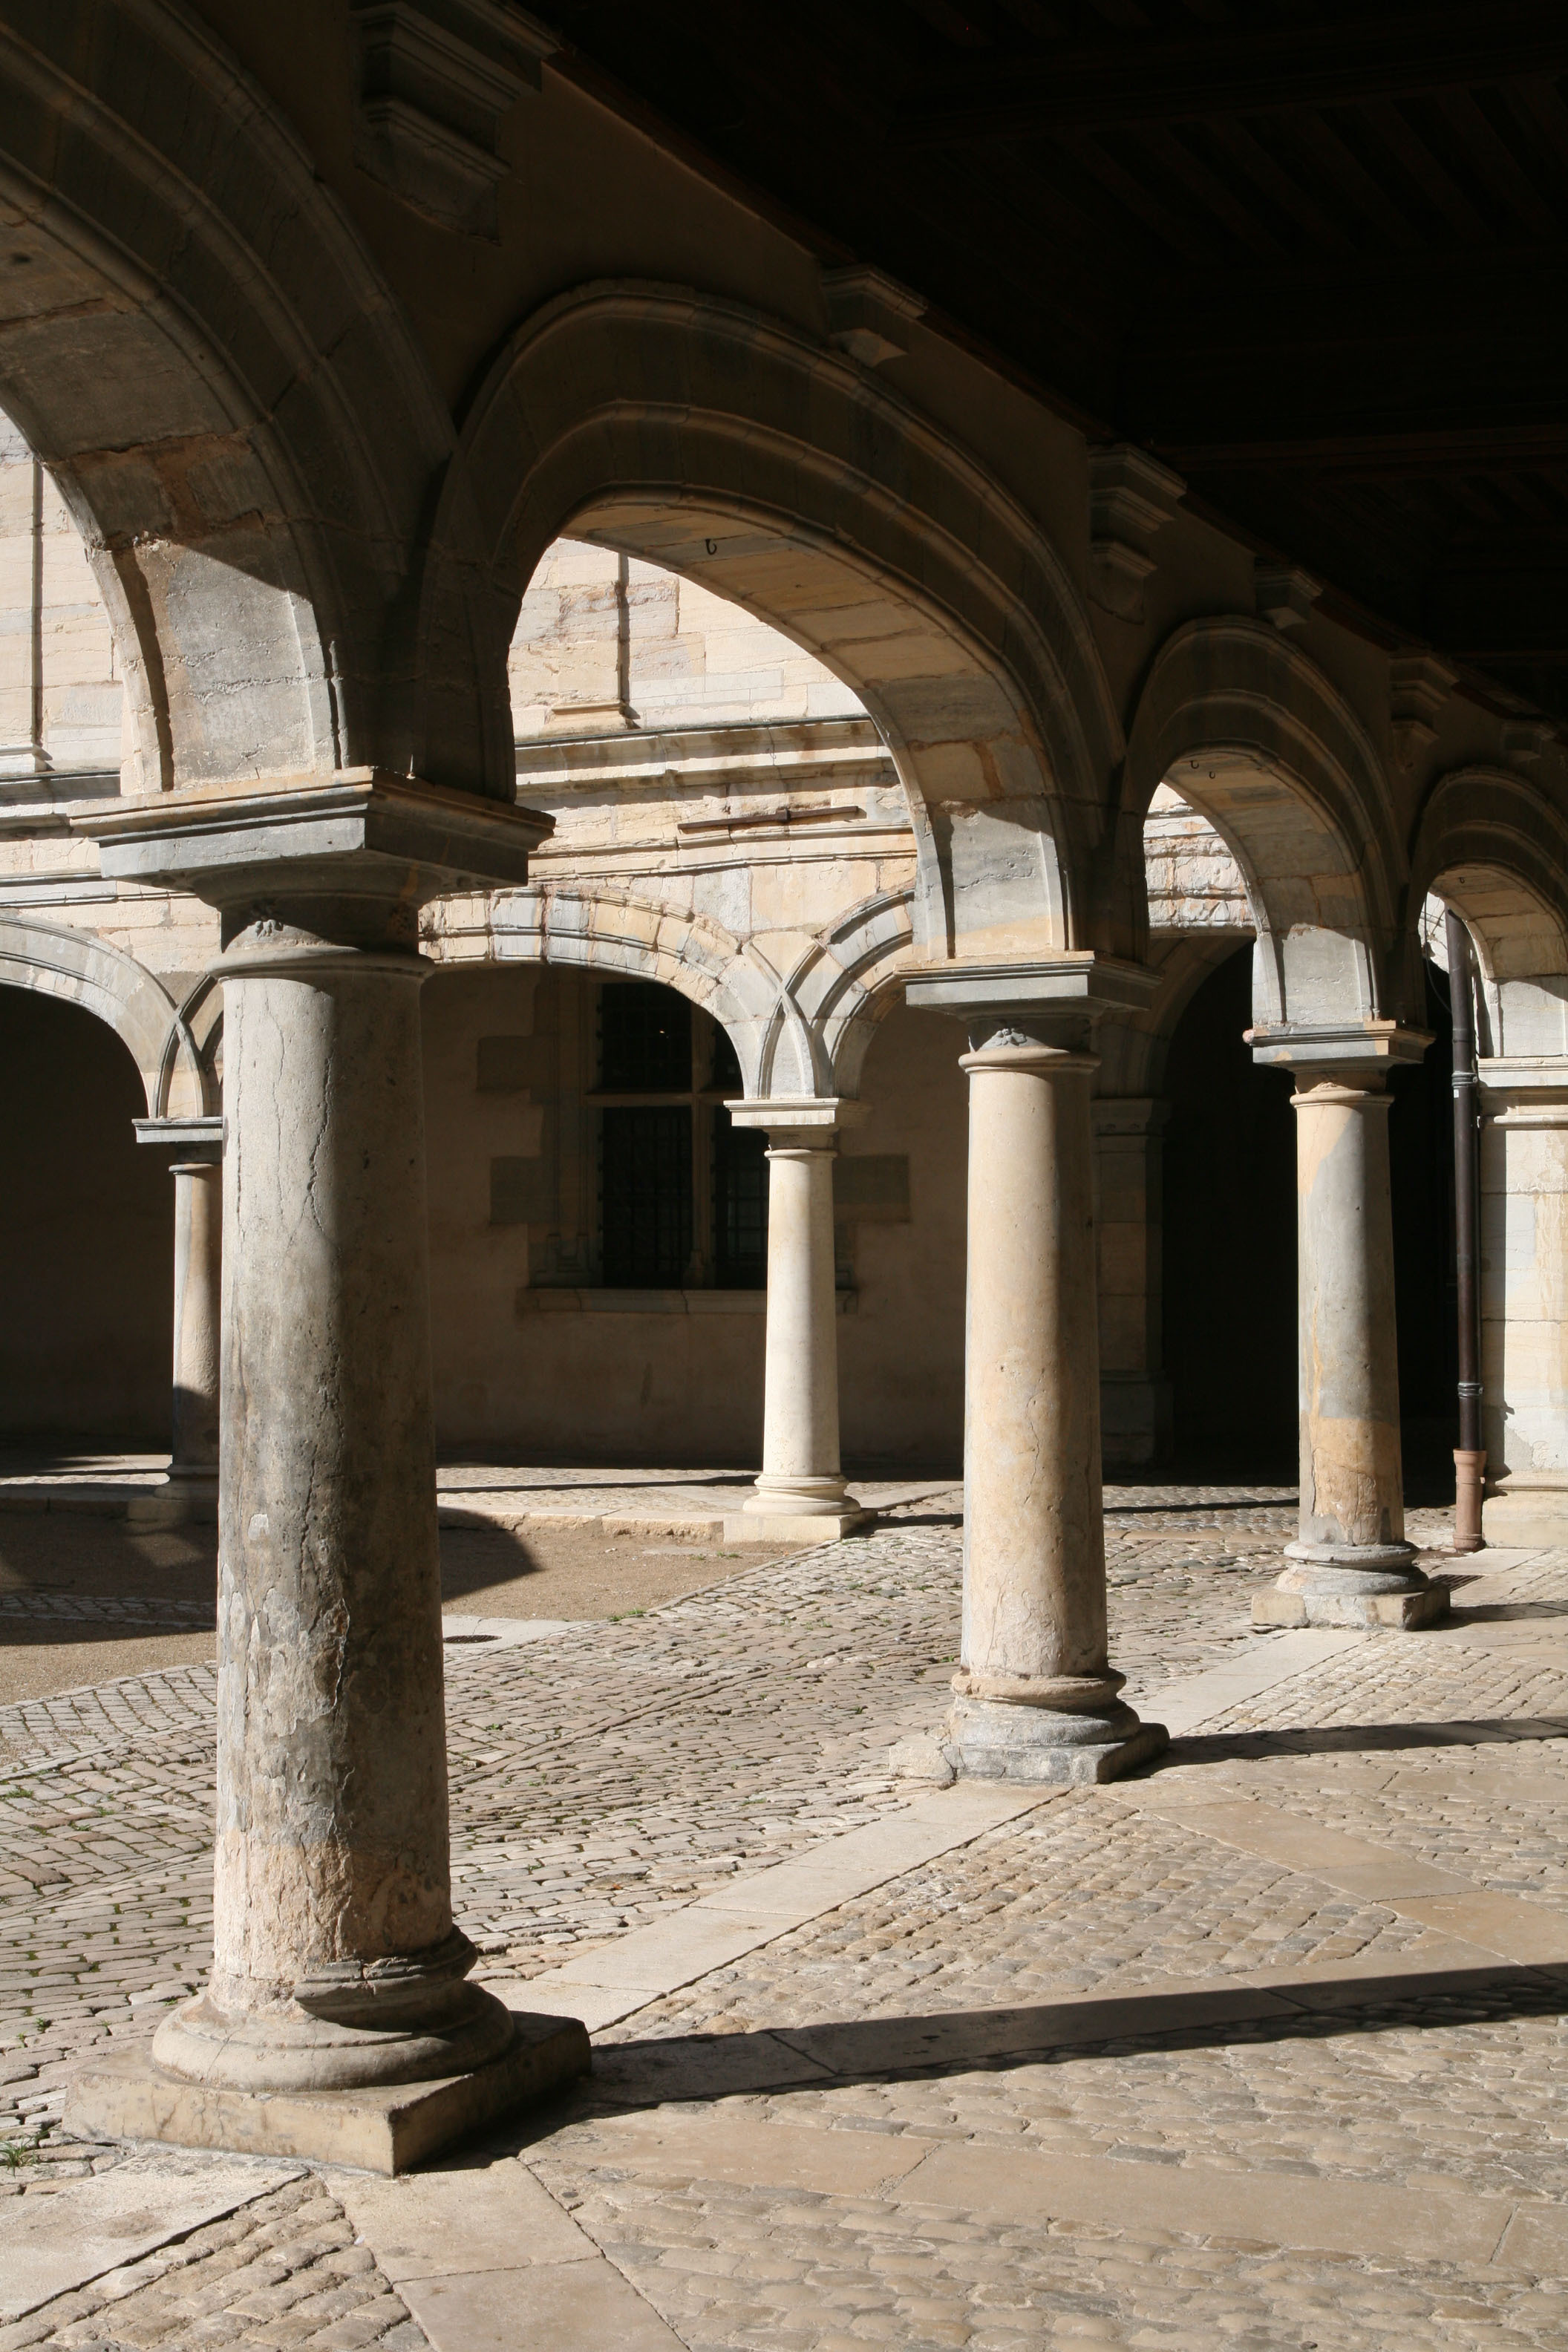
x,y
1312,253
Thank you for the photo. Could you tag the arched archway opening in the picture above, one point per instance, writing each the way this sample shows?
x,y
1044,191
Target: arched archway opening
x,y
1229,1240
86,1306
1229,1257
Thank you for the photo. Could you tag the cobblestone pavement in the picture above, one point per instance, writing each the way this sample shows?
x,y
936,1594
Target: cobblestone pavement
x,y
607,1774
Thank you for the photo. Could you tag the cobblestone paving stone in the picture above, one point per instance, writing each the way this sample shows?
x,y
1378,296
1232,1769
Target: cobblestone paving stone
x,y
283,2271
616,1770
795,2273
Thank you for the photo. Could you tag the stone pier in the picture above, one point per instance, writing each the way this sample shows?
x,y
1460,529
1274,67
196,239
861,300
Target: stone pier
x,y
1036,1698
800,1495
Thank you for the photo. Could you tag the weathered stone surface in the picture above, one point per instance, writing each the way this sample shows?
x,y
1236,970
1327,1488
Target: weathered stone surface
x,y
128,2096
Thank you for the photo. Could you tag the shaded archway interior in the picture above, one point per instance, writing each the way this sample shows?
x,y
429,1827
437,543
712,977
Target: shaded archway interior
x,y
86,1302
1230,1245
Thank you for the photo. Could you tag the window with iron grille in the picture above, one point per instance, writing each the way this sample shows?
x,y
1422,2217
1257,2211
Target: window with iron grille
x,y
646,1192
740,1205
683,1194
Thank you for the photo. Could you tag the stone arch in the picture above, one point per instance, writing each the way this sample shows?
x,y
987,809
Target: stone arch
x,y
121,993
848,980
1255,736
616,933
1494,847
732,448
196,343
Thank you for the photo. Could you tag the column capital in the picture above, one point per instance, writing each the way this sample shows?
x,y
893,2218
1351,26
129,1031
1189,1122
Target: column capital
x,y
193,1140
369,846
801,1122
1048,1000
1357,1054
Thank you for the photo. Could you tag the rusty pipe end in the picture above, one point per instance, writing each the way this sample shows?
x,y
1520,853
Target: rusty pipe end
x,y
1469,1469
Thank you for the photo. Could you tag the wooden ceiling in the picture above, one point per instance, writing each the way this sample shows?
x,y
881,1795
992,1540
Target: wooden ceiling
x,y
1311,253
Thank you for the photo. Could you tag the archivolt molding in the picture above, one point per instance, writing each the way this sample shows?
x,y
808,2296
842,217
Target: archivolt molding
x,y
728,447
84,970
801,1034
848,980
203,353
1254,734
1495,820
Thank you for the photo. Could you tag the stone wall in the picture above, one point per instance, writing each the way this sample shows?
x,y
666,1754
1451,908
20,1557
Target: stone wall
x,y
60,692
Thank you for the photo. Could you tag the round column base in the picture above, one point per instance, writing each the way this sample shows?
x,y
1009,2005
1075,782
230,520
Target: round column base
x,y
346,2030
1351,1568
1374,1587
798,1499
991,1739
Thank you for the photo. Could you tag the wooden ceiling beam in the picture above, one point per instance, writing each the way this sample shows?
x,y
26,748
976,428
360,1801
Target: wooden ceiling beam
x,y
1394,54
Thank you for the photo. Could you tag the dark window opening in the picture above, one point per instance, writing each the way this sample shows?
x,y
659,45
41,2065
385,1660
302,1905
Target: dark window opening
x,y
645,1039
726,1077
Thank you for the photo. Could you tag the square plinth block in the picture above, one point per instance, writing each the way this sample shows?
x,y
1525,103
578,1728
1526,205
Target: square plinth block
x,y
764,1526
1059,1767
1373,1612
123,2096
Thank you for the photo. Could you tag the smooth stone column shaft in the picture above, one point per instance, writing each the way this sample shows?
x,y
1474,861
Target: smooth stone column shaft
x,y
336,1962
198,1281
801,1474
1351,1563
1524,1302
1037,1699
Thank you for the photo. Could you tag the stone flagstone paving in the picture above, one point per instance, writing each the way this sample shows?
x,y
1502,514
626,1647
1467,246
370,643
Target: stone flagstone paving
x,y
1327,2114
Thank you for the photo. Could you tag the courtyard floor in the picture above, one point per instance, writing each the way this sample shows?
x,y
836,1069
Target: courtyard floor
x,y
1264,2048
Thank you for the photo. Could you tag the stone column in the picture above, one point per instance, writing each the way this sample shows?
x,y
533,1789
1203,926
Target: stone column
x,y
191,1491
1134,1392
800,1494
1524,1301
1350,1564
337,1965
1036,1697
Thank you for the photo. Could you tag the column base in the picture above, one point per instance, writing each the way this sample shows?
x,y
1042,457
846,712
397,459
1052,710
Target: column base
x,y
801,1511
992,1740
124,2095
1372,1586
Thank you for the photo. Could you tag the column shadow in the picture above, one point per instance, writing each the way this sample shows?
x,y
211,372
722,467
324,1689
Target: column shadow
x,y
783,2059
